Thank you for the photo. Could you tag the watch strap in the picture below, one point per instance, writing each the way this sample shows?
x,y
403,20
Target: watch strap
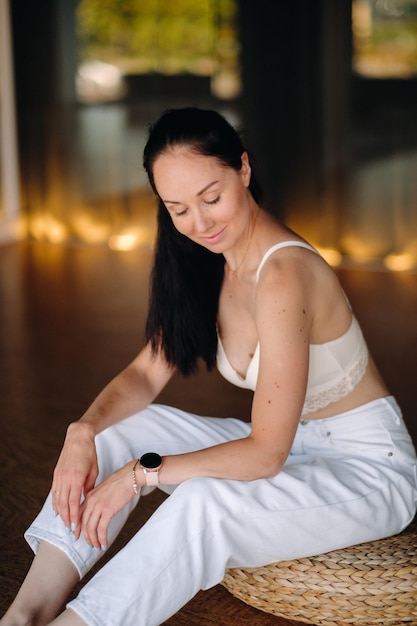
x,y
151,476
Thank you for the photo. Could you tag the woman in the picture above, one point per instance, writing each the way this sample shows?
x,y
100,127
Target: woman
x,y
326,461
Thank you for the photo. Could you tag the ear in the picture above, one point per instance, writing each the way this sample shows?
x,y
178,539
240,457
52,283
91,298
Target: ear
x,y
245,170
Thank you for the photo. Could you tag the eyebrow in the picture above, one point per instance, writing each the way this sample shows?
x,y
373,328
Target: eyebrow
x,y
200,193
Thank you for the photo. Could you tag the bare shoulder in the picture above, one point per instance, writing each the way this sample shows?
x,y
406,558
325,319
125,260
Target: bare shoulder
x,y
298,280
291,270
283,293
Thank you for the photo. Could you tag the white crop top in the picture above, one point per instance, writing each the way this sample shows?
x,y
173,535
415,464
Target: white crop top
x,y
335,367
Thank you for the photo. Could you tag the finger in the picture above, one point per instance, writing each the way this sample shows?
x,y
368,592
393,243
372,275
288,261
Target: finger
x,y
79,528
95,522
89,529
55,492
60,497
102,528
70,502
63,509
86,513
74,501
90,482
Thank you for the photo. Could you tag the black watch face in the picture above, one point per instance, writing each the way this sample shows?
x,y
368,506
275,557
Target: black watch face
x,y
150,460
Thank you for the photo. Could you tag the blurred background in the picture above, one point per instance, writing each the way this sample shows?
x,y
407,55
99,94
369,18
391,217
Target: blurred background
x,y
324,92
325,95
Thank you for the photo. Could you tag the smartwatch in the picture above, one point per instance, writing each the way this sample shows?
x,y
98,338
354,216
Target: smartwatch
x,y
150,464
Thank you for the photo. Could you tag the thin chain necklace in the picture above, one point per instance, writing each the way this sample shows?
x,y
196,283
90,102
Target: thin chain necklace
x,y
234,271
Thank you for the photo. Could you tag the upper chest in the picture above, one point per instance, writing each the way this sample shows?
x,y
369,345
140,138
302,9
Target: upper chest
x,y
236,322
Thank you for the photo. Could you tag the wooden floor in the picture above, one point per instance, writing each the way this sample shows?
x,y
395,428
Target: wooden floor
x,y
70,319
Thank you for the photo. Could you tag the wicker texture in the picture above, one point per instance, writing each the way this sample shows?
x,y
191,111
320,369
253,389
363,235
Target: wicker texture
x,y
372,583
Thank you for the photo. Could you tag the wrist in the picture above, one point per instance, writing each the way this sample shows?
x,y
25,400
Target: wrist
x,y
81,428
151,463
134,479
145,472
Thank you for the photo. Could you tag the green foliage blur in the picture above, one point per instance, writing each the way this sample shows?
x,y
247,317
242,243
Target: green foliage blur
x,y
165,36
385,38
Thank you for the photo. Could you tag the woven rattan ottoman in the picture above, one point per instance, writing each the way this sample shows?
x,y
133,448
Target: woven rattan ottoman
x,y
373,583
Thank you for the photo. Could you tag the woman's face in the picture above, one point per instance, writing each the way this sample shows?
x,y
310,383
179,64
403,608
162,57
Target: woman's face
x,y
208,202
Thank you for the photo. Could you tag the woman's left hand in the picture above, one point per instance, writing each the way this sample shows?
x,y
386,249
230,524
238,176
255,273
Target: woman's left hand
x,y
102,503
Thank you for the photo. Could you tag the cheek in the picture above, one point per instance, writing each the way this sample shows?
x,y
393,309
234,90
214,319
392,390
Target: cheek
x,y
182,225
235,209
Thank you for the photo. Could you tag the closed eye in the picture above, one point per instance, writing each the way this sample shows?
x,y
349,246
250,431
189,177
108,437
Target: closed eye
x,y
215,201
181,212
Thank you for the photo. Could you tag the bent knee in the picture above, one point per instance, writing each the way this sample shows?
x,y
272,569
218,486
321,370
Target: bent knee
x,y
204,490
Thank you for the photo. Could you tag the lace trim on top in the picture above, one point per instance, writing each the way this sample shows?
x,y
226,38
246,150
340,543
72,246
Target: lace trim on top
x,y
335,369
321,399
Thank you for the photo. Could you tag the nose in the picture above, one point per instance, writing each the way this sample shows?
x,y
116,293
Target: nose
x,y
202,220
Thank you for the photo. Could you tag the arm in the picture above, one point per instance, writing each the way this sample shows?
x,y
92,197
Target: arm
x,y
283,322
130,391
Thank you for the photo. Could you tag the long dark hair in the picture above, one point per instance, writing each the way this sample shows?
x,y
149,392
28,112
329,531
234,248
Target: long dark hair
x,y
186,277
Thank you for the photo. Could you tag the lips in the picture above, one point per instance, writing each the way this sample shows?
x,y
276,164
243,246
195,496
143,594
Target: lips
x,y
212,239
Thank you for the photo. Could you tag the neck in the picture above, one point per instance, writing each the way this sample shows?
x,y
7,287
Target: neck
x,y
254,216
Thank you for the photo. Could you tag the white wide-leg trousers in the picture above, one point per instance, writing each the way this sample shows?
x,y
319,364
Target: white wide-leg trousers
x,y
348,479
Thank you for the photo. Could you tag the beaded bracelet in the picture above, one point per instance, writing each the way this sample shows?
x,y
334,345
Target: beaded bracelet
x,y
134,483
